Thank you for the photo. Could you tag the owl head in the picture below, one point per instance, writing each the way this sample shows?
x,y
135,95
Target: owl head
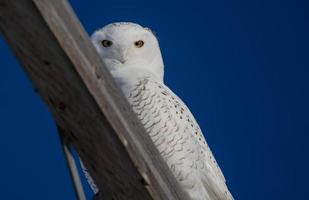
x,y
129,47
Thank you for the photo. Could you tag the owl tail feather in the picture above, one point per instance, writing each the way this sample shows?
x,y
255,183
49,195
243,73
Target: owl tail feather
x,y
216,189
90,180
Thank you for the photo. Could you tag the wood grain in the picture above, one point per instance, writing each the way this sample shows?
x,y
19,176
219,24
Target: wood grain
x,y
57,55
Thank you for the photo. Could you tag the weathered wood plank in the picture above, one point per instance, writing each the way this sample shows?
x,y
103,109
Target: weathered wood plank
x,y
59,58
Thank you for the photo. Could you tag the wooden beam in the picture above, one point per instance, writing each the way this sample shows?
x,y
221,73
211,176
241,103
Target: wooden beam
x,y
56,53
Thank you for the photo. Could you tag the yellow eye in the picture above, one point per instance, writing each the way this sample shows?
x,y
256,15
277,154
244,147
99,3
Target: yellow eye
x,y
106,43
139,43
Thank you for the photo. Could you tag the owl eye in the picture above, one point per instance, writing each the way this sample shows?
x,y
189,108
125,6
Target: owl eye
x,y
139,43
106,43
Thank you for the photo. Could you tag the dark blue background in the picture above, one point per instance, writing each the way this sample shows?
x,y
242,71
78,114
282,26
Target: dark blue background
x,y
242,68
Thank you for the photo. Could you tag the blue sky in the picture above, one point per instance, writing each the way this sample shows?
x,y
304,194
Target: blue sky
x,y
241,67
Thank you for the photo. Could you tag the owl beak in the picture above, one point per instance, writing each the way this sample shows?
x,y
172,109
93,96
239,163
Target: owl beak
x,y
123,61
123,56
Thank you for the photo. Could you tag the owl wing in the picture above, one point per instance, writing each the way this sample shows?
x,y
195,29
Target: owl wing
x,y
204,154
177,136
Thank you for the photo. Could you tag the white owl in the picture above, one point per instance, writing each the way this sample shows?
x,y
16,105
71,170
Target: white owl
x,y
132,54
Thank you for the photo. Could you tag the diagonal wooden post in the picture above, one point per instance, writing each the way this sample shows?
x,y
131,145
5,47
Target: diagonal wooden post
x,y
59,58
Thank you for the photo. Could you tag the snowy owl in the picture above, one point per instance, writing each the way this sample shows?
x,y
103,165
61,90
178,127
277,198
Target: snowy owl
x,y
132,54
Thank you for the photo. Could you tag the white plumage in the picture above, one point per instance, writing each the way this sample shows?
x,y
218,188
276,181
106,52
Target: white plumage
x,y
133,56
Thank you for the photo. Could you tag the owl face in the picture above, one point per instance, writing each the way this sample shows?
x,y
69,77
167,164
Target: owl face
x,y
123,45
